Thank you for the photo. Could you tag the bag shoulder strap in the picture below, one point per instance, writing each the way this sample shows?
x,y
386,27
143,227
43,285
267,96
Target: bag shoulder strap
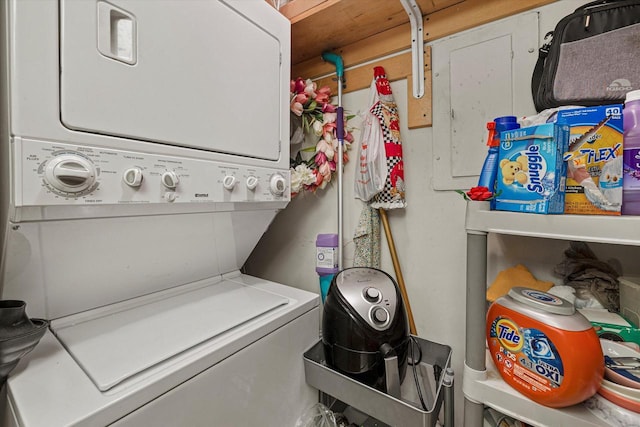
x,y
543,52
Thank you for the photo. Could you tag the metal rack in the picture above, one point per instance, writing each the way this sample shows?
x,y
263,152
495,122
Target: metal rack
x,y
482,385
405,411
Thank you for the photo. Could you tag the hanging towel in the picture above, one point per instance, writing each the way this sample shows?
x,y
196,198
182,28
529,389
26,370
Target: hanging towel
x,y
367,239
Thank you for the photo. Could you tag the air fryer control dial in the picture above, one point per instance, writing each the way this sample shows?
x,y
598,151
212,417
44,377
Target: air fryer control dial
x,y
379,315
372,294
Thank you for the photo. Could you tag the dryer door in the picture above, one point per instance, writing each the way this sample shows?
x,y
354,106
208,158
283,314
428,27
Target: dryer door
x,y
196,74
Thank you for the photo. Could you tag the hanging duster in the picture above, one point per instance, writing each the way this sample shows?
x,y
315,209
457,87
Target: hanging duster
x,y
392,195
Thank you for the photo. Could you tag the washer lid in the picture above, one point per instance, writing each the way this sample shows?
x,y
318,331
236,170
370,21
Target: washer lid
x,y
121,342
542,301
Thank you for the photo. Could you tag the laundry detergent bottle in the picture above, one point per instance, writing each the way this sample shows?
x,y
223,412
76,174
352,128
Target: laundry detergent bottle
x,y
544,348
631,154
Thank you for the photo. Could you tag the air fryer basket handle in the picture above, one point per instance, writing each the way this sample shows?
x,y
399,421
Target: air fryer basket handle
x,y
391,372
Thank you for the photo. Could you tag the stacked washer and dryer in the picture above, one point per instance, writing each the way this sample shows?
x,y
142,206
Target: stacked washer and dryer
x,y
144,150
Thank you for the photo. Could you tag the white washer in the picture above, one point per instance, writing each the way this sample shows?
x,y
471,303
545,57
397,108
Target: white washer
x,y
144,149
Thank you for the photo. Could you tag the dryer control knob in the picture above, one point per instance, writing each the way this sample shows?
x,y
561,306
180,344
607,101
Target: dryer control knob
x,y
70,173
132,177
277,184
379,315
170,179
229,182
252,182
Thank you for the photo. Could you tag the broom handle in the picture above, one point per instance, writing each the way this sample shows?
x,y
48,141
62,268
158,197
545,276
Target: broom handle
x,y
396,267
336,60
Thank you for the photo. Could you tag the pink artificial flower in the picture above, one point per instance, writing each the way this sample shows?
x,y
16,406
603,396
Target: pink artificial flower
x,y
332,166
328,108
319,177
302,98
296,108
326,148
322,98
324,90
323,95
329,136
299,85
325,170
348,137
320,158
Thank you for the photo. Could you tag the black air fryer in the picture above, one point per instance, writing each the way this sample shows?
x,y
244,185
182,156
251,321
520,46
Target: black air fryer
x,y
364,326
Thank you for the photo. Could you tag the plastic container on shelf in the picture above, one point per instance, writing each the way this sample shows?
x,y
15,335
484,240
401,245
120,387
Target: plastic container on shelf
x,y
544,348
631,179
326,260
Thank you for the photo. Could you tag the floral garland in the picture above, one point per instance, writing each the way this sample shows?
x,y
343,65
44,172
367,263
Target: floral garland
x,y
314,129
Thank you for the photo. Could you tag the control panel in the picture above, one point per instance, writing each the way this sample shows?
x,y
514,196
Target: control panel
x,y
64,174
371,293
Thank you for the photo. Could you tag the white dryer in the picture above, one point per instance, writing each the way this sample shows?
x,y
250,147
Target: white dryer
x,y
144,151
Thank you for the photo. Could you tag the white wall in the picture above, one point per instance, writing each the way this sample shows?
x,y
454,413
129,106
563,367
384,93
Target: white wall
x,y
429,234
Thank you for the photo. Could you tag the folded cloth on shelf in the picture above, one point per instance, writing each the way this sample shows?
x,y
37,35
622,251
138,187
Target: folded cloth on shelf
x,y
515,276
591,277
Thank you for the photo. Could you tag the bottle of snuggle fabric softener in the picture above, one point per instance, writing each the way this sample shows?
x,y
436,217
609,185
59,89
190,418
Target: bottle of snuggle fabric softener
x,y
631,141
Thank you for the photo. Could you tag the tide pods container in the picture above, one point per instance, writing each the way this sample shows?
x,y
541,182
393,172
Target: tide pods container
x,y
544,348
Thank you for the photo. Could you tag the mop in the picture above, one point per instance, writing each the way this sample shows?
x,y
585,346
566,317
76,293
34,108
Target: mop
x,y
336,59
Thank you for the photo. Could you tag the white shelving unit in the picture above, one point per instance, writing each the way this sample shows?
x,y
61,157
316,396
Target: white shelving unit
x,y
482,384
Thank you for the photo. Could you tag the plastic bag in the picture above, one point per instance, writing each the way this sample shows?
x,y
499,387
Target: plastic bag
x,y
317,416
371,171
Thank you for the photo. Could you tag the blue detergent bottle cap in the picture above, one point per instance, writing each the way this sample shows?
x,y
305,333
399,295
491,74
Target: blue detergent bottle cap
x,y
505,123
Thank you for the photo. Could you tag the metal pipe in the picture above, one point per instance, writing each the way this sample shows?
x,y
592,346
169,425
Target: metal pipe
x,y
475,354
447,384
417,46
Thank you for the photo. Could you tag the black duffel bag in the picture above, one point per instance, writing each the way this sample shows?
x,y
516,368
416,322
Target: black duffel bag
x,y
592,57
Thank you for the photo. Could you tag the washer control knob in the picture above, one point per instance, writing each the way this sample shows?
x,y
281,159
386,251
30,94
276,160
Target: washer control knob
x,y
170,196
252,182
229,182
132,177
70,173
379,315
277,184
372,294
170,179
